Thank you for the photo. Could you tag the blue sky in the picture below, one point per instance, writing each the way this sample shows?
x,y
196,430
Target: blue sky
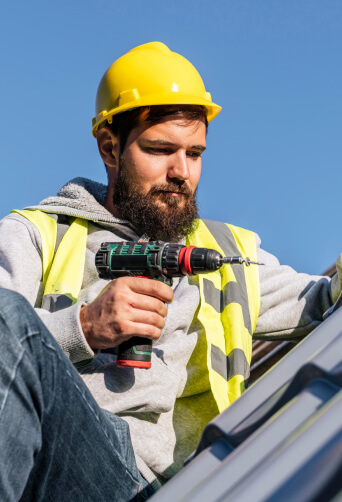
x,y
273,162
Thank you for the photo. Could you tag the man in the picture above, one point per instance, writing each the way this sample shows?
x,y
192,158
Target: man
x,y
152,113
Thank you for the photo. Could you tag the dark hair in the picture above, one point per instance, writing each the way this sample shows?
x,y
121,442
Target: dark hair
x,y
125,122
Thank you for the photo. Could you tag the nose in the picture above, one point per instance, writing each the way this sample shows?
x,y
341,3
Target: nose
x,y
178,168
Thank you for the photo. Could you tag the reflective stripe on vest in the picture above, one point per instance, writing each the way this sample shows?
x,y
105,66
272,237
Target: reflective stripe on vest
x,y
229,308
62,272
229,297
47,228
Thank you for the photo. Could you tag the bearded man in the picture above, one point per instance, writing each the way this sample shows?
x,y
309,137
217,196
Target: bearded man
x,y
121,433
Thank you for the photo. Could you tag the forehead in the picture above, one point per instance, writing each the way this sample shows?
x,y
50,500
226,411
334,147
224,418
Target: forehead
x,y
171,129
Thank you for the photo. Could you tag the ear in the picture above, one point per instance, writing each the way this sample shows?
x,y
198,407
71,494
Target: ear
x,y
109,147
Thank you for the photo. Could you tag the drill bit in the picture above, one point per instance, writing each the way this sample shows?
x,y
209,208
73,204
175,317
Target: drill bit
x,y
233,260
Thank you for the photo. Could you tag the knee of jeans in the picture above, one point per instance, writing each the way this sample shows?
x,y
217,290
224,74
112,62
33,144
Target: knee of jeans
x,y
15,308
10,297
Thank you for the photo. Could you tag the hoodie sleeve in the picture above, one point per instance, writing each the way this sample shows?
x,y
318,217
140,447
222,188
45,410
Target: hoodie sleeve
x,y
21,271
292,304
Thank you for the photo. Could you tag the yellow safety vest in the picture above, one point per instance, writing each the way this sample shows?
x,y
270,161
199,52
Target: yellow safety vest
x,y
229,297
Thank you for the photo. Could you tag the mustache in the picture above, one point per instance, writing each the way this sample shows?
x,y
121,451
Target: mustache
x,y
171,187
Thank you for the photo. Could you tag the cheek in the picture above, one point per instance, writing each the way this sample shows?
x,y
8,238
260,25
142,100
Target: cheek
x,y
151,170
195,175
136,167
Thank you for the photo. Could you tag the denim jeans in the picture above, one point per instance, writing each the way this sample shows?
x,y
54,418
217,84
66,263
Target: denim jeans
x,y
56,444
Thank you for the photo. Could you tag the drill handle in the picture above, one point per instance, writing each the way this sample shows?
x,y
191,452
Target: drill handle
x,y
137,351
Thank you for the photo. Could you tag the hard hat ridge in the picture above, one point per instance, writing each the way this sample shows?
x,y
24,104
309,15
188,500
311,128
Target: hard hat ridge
x,y
150,74
153,46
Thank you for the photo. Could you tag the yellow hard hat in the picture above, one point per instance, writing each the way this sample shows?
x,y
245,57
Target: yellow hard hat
x,y
148,75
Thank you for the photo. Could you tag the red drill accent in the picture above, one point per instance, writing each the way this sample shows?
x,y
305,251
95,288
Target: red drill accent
x,y
184,260
122,363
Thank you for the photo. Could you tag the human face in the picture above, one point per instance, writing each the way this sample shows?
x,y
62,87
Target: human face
x,y
160,201
166,155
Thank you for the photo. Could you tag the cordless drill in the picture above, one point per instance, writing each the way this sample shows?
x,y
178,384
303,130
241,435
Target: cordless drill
x,y
160,261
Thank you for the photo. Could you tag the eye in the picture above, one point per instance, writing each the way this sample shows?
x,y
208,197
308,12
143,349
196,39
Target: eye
x,y
157,151
194,155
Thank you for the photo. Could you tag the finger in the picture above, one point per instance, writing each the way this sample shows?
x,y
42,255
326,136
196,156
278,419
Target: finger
x,y
147,303
145,317
151,287
140,329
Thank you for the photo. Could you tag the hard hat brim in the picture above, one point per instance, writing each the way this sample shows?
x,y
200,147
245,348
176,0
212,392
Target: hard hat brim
x,y
170,98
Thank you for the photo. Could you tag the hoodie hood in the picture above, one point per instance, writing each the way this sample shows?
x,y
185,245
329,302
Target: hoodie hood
x,y
82,198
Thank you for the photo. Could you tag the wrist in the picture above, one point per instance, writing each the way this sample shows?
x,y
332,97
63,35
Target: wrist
x,y
86,325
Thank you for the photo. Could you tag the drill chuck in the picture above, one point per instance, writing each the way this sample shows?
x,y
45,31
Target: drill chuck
x,y
201,261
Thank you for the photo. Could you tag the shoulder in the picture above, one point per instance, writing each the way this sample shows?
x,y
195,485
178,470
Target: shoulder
x,y
21,225
17,231
18,222
228,228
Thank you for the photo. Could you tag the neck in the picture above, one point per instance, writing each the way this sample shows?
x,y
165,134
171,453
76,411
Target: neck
x,y
109,205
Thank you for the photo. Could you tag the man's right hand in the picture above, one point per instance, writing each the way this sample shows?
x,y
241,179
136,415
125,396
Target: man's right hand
x,y
126,307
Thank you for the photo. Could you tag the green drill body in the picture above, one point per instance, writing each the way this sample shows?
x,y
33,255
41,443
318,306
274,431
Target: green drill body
x,y
156,260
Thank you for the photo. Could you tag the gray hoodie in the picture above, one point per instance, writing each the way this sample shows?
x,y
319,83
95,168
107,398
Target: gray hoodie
x,y
165,421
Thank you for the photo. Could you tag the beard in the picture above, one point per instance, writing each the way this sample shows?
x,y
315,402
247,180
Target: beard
x,y
157,214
